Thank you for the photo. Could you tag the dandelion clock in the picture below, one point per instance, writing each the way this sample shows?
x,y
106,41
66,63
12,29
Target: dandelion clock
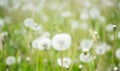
x,y
44,44
66,62
85,57
61,42
10,60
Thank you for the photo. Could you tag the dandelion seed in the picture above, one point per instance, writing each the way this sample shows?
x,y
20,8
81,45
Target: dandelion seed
x,y
10,60
61,41
66,62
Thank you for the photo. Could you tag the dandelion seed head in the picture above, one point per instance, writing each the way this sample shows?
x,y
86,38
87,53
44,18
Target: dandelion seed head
x,y
86,44
109,28
10,60
44,44
28,22
66,62
84,15
102,48
61,41
85,57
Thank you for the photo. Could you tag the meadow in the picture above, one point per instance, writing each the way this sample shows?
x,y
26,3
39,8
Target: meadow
x,y
59,35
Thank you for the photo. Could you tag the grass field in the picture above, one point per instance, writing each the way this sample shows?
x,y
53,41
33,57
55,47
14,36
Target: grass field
x,y
59,35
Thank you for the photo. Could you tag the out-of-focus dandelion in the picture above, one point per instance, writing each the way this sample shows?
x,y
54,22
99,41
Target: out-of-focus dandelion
x,y
80,66
115,68
66,62
119,35
86,44
44,44
28,22
117,53
84,26
84,15
85,57
66,14
27,58
102,48
109,28
10,60
61,42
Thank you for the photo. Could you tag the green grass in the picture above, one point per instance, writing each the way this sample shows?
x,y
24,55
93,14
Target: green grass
x,y
16,43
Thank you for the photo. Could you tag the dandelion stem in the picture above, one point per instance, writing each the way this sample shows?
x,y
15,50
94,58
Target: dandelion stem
x,y
74,53
53,68
61,61
37,61
113,49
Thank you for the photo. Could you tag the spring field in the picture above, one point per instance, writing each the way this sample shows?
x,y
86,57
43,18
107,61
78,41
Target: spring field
x,y
59,35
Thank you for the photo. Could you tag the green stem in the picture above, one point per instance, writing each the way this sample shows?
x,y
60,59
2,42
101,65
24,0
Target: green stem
x,y
61,61
37,60
113,49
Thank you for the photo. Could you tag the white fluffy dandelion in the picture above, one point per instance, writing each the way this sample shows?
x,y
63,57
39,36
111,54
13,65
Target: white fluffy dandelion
x,y
80,66
109,28
85,57
86,44
35,43
10,60
61,41
66,14
28,22
118,53
44,44
102,48
66,62
84,15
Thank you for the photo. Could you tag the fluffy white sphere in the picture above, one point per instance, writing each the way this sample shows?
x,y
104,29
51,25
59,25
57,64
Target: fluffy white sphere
x,y
118,53
66,62
61,41
44,44
85,57
86,44
10,60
